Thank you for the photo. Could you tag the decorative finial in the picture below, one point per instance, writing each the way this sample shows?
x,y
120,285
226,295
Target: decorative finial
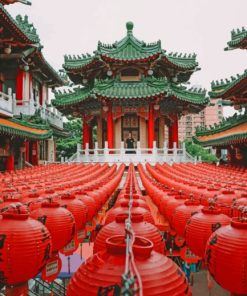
x,y
129,27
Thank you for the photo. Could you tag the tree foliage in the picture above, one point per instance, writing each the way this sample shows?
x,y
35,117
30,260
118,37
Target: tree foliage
x,y
197,150
67,146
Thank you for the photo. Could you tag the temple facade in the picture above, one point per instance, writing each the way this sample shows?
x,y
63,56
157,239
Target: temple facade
x,y
231,133
130,86
29,124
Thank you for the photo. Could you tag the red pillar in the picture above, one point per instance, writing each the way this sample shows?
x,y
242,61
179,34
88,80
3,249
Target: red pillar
x,y
85,133
10,165
90,137
175,130
110,128
150,126
35,153
19,86
27,151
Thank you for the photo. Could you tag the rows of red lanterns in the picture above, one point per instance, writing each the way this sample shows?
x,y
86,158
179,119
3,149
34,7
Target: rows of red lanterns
x,y
205,206
45,211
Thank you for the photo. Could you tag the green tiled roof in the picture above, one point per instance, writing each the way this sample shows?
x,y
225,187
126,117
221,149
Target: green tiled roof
x,y
224,125
228,131
147,88
238,39
131,49
220,88
21,25
24,129
181,61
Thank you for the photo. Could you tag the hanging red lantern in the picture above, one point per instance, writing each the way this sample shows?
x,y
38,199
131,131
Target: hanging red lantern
x,y
71,247
25,246
200,226
76,207
226,255
141,202
140,228
124,208
59,221
106,268
172,204
183,213
238,204
225,200
90,204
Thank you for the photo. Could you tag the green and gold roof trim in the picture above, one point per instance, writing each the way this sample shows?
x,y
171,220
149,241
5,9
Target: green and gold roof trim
x,y
147,88
230,131
224,125
220,88
21,24
20,128
130,49
238,39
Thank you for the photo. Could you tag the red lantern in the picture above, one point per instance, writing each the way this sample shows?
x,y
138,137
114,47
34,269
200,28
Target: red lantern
x,y
139,227
171,206
25,246
76,207
106,268
200,226
124,208
71,247
225,200
90,204
226,255
59,221
183,213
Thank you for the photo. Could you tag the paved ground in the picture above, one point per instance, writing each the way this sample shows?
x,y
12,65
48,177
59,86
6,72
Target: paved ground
x,y
200,287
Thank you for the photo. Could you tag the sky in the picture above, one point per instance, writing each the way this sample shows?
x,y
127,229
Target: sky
x,y
187,26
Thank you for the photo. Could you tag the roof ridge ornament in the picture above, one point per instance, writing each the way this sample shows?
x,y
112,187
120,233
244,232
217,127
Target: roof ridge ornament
x,y
129,27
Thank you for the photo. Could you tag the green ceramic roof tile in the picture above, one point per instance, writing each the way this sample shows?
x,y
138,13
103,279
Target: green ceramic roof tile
x,y
24,129
238,39
76,62
70,98
181,61
228,131
147,88
131,49
21,25
220,88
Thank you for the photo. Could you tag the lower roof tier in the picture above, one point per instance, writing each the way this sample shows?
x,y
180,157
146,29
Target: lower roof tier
x,y
118,91
230,131
24,129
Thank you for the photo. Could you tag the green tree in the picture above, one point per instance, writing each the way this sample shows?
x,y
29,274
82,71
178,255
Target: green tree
x,y
67,146
197,150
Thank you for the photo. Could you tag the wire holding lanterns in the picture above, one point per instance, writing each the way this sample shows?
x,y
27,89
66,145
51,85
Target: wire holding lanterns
x,y
131,278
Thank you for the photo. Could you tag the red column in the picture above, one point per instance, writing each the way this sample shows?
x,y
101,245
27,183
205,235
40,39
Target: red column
x,y
90,137
170,137
19,86
150,126
175,130
27,151
110,128
35,153
85,133
10,165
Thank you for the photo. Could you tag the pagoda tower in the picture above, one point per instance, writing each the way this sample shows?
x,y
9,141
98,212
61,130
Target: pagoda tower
x,y
130,86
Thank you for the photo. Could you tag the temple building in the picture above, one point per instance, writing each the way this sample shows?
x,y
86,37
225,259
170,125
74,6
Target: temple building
x,y
28,122
231,133
130,86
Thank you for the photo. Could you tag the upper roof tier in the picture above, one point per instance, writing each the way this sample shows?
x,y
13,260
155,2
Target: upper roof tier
x,y
128,51
238,39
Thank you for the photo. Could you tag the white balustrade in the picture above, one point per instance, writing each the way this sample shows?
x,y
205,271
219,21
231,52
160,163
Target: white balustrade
x,y
138,155
6,103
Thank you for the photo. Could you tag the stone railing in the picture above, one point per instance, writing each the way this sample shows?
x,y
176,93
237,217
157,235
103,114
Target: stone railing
x,y
138,155
6,103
